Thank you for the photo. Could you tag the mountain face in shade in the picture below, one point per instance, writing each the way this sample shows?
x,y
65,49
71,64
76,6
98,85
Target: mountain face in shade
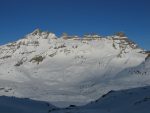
x,y
135,100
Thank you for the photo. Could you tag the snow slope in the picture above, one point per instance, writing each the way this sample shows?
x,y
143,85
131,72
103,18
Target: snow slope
x,y
135,100
68,71
18,105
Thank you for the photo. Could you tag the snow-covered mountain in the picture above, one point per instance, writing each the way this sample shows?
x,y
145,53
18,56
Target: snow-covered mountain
x,y
69,69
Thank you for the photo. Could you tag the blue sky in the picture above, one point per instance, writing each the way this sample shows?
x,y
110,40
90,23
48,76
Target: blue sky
x,y
105,17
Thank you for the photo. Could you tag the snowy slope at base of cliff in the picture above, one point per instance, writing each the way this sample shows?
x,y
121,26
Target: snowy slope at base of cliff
x,y
19,105
125,101
135,100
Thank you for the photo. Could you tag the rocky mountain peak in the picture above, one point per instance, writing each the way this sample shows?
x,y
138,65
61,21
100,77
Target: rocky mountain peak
x,y
46,42
148,56
39,34
36,32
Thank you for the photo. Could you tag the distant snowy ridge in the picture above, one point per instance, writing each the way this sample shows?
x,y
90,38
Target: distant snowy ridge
x,y
69,69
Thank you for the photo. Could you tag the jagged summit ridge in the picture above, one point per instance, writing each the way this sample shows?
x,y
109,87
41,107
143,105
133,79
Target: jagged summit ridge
x,y
41,45
38,41
36,32
39,34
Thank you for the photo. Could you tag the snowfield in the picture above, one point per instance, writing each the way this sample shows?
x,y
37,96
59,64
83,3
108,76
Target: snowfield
x,y
20,105
136,100
65,71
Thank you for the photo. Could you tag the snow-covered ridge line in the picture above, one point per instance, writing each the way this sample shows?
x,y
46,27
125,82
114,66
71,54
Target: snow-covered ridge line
x,y
42,41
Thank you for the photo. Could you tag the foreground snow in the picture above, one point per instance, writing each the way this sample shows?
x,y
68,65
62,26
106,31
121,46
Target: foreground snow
x,y
18,105
125,101
135,100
